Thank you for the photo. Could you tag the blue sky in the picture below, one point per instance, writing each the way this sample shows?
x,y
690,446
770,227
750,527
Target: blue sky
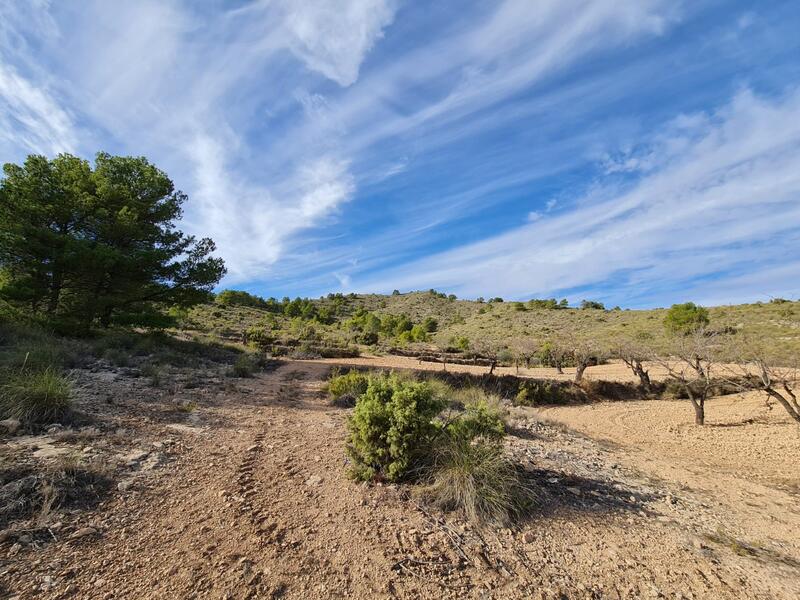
x,y
639,152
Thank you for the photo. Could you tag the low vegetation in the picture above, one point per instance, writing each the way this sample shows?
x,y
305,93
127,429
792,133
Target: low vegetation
x,y
425,432
35,396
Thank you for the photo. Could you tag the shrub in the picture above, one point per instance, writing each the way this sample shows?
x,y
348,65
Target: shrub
x,y
477,479
244,366
592,305
536,393
35,397
484,416
685,318
350,385
391,428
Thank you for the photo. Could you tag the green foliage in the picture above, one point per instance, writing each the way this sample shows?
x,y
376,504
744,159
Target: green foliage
x,y
685,318
537,393
520,306
35,396
391,428
240,298
496,299
430,324
461,343
353,384
81,245
592,305
484,416
549,304
244,366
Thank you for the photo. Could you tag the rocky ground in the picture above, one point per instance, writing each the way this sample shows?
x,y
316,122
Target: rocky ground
x,y
205,486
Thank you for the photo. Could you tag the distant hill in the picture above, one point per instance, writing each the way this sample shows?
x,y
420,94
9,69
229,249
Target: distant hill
x,y
339,320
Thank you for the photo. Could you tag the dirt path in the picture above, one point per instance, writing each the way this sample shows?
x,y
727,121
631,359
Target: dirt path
x,y
256,504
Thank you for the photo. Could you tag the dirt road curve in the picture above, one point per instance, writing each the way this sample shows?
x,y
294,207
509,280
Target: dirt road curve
x,y
255,504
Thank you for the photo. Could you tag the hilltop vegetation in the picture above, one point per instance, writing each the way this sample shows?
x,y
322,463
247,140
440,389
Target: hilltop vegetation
x,y
424,319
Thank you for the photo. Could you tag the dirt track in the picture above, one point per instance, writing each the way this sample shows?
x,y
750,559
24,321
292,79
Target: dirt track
x,y
255,504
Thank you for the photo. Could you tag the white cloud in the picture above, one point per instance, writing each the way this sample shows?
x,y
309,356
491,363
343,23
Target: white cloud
x,y
730,195
333,38
31,118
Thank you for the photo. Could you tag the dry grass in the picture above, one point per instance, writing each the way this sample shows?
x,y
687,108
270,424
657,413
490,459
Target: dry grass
x,y
35,397
477,479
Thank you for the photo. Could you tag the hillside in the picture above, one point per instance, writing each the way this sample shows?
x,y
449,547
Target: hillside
x,y
501,325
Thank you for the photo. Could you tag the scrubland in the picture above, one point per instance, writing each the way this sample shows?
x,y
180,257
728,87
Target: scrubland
x,y
409,446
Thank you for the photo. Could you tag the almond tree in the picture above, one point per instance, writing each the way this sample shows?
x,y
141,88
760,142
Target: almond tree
x,y
585,353
754,369
691,364
634,354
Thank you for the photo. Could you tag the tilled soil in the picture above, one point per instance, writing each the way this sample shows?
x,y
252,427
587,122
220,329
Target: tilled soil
x,y
250,500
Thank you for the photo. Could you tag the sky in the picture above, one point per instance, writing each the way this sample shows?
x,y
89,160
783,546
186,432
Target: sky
x,y
635,152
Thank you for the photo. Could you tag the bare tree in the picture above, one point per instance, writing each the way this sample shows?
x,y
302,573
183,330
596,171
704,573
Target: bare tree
x,y
634,354
524,350
691,365
754,369
585,353
486,349
554,353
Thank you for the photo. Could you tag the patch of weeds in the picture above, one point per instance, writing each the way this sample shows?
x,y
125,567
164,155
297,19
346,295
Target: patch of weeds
x,y
187,407
475,477
35,397
153,372
68,483
244,366
117,357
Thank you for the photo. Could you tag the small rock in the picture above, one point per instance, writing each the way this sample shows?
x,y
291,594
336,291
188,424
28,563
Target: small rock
x,y
83,532
253,448
134,457
314,480
124,486
574,490
10,425
529,537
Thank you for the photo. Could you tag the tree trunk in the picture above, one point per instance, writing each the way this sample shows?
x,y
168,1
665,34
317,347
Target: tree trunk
x,y
493,365
644,376
699,405
699,412
559,370
783,402
579,372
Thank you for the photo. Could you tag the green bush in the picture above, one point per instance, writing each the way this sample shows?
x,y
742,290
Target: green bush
x,y
35,396
536,393
392,428
686,318
244,366
484,416
352,384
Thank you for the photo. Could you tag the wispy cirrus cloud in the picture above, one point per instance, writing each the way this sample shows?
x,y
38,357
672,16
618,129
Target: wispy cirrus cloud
x,y
346,145
717,192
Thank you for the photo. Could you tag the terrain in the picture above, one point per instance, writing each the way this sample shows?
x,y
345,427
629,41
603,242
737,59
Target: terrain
x,y
211,485
486,325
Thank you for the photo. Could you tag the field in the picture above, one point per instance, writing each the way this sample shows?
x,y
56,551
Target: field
x,y
205,484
